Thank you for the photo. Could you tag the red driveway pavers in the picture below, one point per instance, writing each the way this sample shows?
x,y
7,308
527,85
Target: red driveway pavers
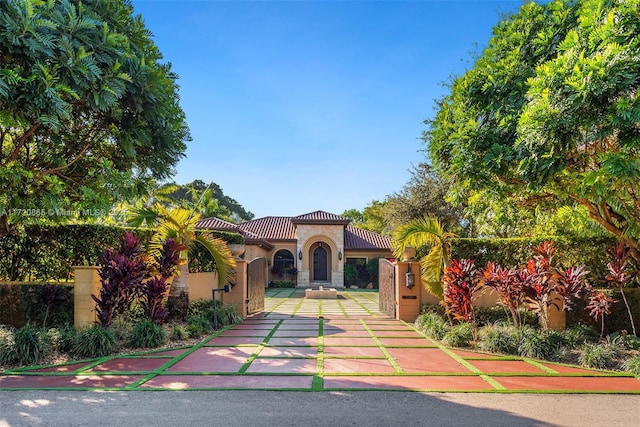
x,y
418,360
130,364
295,366
430,383
212,359
366,366
315,346
182,382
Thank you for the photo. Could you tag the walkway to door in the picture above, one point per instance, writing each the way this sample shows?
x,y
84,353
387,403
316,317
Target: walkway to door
x,y
320,345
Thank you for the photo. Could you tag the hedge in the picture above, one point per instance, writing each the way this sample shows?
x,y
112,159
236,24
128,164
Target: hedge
x,y
46,305
594,253
42,253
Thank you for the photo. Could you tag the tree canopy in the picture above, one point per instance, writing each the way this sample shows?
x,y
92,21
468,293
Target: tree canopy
x,y
550,110
88,112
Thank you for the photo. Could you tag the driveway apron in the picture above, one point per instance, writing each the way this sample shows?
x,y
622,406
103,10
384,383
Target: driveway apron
x,y
320,345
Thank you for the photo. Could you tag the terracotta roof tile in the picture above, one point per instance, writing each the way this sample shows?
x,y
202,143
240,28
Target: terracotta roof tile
x,y
271,228
320,217
217,224
357,238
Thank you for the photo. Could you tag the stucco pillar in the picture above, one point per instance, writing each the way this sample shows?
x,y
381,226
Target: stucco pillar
x,y
238,293
87,282
408,300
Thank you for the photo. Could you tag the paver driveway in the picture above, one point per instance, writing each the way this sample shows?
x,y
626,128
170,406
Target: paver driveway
x,y
320,345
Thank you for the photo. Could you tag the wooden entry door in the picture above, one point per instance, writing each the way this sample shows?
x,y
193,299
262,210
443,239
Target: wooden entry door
x,y
320,264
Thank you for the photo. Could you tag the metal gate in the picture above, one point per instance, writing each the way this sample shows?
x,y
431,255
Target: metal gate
x,y
387,289
256,282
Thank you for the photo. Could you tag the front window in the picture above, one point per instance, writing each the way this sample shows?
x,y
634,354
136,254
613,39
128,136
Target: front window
x,y
282,263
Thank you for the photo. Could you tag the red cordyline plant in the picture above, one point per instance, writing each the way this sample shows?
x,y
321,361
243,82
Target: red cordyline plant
x,y
537,283
121,273
154,290
619,275
460,280
508,284
545,286
599,305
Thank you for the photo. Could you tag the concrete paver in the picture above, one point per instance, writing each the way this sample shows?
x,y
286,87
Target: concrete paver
x,y
319,345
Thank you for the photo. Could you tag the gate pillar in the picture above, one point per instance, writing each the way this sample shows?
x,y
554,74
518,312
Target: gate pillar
x,y
408,300
238,293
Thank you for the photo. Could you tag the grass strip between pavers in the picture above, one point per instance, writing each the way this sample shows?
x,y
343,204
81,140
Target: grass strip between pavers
x,y
297,307
382,348
372,314
341,307
253,357
540,366
318,380
179,357
277,305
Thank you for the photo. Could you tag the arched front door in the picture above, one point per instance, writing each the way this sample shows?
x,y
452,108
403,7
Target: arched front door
x,y
320,264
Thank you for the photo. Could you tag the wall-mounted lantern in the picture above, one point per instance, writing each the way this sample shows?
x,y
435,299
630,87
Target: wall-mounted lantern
x,y
340,255
407,255
410,278
300,254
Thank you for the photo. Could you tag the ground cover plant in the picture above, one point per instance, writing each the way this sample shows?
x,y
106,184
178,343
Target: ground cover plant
x,y
126,334
532,290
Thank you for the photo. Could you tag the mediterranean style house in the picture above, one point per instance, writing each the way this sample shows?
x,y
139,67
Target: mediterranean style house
x,y
310,249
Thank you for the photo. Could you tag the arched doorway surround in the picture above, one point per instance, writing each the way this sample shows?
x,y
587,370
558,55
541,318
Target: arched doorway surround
x,y
320,265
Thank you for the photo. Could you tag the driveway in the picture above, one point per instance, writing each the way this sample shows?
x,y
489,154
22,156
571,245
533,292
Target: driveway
x,y
300,344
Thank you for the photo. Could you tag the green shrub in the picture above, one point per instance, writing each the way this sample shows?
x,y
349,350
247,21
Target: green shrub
x,y
459,335
6,345
194,330
122,329
48,304
227,314
199,324
29,346
632,365
200,307
499,338
432,308
580,334
433,325
592,252
179,332
601,356
539,344
147,334
282,284
94,341
66,340
625,340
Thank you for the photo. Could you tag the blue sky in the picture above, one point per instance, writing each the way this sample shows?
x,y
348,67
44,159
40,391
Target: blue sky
x,y
297,106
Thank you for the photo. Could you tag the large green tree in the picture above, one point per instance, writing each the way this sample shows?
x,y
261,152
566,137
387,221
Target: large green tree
x,y
550,110
424,194
88,112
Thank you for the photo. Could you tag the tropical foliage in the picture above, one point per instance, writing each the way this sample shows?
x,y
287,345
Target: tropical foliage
x,y
549,112
426,231
180,224
88,112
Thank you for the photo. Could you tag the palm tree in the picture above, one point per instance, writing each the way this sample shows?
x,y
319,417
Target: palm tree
x,y
180,224
426,231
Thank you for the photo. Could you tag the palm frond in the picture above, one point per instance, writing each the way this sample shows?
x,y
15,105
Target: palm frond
x,y
417,233
225,262
143,215
431,269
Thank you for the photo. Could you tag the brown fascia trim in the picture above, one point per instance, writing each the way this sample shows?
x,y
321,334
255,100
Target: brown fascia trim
x,y
368,250
260,243
344,222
